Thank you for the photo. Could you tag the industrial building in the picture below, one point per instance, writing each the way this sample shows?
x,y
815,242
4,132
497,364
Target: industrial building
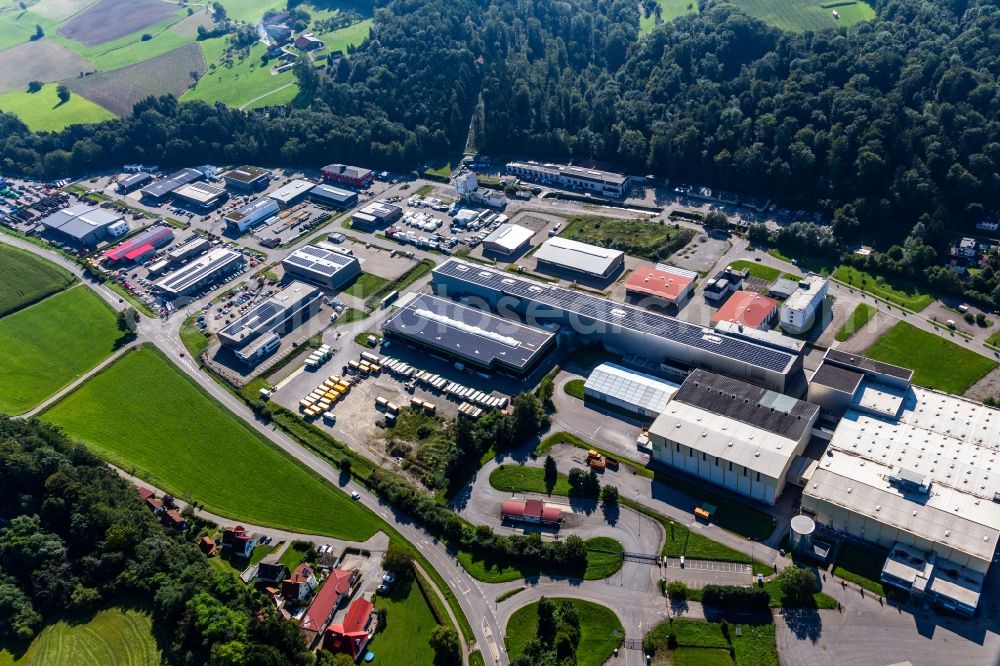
x,y
661,285
911,470
257,333
292,192
562,255
141,247
748,308
247,178
624,389
467,185
602,183
376,215
333,197
133,182
733,434
725,282
192,248
250,215
782,288
346,174
847,381
201,195
508,239
677,346
475,337
798,313
321,266
206,269
84,225
158,191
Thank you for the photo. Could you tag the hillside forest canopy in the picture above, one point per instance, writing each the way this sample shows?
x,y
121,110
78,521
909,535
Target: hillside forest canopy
x,y
883,125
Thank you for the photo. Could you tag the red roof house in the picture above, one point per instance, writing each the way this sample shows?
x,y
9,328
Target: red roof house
x,y
149,497
239,541
663,286
300,584
207,546
173,518
335,589
531,511
749,309
353,633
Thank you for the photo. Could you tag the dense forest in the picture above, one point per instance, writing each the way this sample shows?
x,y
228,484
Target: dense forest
x,y
76,537
883,125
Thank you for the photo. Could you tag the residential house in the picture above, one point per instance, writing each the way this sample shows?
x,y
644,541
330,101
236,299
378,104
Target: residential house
x,y
239,541
271,570
967,248
149,497
300,584
207,546
173,518
308,42
352,634
335,589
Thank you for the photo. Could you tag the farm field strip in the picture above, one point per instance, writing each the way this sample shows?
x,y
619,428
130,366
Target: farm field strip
x,y
802,15
26,278
143,414
48,345
42,111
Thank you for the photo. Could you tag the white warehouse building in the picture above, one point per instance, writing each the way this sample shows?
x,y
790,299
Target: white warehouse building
x,y
634,392
798,313
566,255
733,434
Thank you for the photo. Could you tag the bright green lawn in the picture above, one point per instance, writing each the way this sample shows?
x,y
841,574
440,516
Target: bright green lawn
x,y
194,339
574,387
364,285
26,278
144,414
761,271
605,556
936,361
293,555
860,565
17,27
350,316
251,11
703,643
42,111
600,631
861,315
238,85
129,49
670,9
409,622
111,636
519,478
898,293
802,15
352,35
48,345
491,571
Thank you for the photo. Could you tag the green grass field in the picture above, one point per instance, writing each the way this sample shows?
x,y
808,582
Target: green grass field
x,y
861,315
600,631
648,240
518,478
144,414
364,285
599,565
861,566
50,344
352,35
802,15
26,278
293,555
605,557
669,10
409,622
241,83
703,644
129,49
111,636
901,294
763,272
936,361
574,387
42,112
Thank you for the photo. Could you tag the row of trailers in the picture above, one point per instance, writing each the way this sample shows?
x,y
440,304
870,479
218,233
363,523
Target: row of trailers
x,y
322,398
475,398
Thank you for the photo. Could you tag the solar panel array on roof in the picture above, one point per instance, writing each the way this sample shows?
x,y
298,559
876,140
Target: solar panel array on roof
x,y
471,334
317,260
618,316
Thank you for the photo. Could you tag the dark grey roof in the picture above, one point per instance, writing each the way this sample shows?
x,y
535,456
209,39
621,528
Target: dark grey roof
x,y
469,333
333,193
165,186
837,377
737,400
869,365
618,316
134,179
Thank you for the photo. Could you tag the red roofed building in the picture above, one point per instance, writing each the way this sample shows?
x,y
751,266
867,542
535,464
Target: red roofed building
x,y
749,309
335,589
531,511
173,518
207,546
300,584
141,247
239,541
353,633
663,287
149,497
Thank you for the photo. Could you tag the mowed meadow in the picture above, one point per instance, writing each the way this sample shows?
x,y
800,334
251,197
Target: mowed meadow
x,y
145,416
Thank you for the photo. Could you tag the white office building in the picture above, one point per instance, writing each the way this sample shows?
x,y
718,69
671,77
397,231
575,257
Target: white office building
x,y
733,434
798,313
250,214
594,181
